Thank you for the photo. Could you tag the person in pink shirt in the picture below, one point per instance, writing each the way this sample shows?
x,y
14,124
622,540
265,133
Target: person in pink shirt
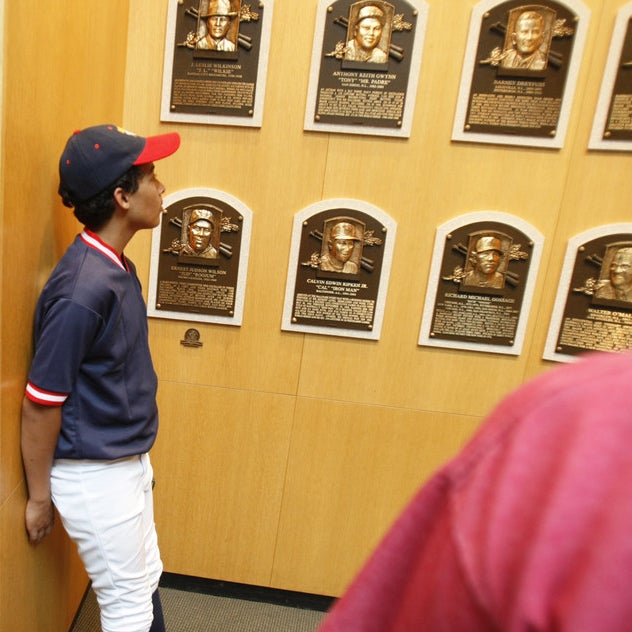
x,y
529,528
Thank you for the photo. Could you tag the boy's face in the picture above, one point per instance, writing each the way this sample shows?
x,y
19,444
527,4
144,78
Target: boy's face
x,y
145,204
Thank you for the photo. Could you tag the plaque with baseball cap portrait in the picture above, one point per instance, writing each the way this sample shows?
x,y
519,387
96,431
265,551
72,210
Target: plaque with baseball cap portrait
x,y
366,59
216,59
520,72
481,283
199,258
593,304
339,268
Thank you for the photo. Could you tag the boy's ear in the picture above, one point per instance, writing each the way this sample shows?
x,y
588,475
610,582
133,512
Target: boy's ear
x,y
121,197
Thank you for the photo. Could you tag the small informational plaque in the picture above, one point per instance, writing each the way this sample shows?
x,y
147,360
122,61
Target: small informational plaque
x,y
199,258
216,59
365,66
482,277
339,268
612,126
593,305
520,72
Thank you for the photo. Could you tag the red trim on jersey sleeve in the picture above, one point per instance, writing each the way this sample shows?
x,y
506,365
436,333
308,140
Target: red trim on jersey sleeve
x,y
46,398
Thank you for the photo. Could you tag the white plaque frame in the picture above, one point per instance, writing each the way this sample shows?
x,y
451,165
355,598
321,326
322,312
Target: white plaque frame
x,y
411,92
469,62
242,270
391,231
596,140
256,120
564,285
435,271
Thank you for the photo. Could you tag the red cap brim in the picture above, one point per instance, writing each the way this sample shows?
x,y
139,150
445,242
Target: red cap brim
x,y
157,147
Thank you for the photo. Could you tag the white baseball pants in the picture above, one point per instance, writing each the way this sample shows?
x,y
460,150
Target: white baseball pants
x,y
107,509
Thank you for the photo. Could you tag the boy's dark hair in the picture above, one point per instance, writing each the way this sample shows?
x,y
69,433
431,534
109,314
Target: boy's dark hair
x,y
96,211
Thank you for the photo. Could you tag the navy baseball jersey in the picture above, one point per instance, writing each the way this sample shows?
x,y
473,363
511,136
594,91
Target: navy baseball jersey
x,y
91,354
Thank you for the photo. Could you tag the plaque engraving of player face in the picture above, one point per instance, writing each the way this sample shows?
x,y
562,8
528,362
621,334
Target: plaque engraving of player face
x,y
199,258
216,57
612,125
481,283
365,66
593,306
339,269
520,72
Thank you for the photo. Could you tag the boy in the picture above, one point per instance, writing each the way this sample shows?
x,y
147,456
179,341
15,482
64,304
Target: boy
x,y
89,414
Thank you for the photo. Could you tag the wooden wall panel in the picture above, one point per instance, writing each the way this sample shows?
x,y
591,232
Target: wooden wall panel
x,y
220,467
396,373
59,73
346,403
40,588
352,468
232,362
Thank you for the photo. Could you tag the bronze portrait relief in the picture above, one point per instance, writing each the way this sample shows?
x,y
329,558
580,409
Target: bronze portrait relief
x,y
614,283
218,28
488,255
528,39
200,226
342,246
616,276
368,35
528,33
487,261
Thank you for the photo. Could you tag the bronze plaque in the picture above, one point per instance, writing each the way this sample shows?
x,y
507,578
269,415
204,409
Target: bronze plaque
x,y
198,259
213,57
339,270
612,123
597,314
483,275
520,68
619,119
367,65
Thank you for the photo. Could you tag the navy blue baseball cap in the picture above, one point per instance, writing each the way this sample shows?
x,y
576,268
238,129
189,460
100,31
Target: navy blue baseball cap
x,y
96,157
